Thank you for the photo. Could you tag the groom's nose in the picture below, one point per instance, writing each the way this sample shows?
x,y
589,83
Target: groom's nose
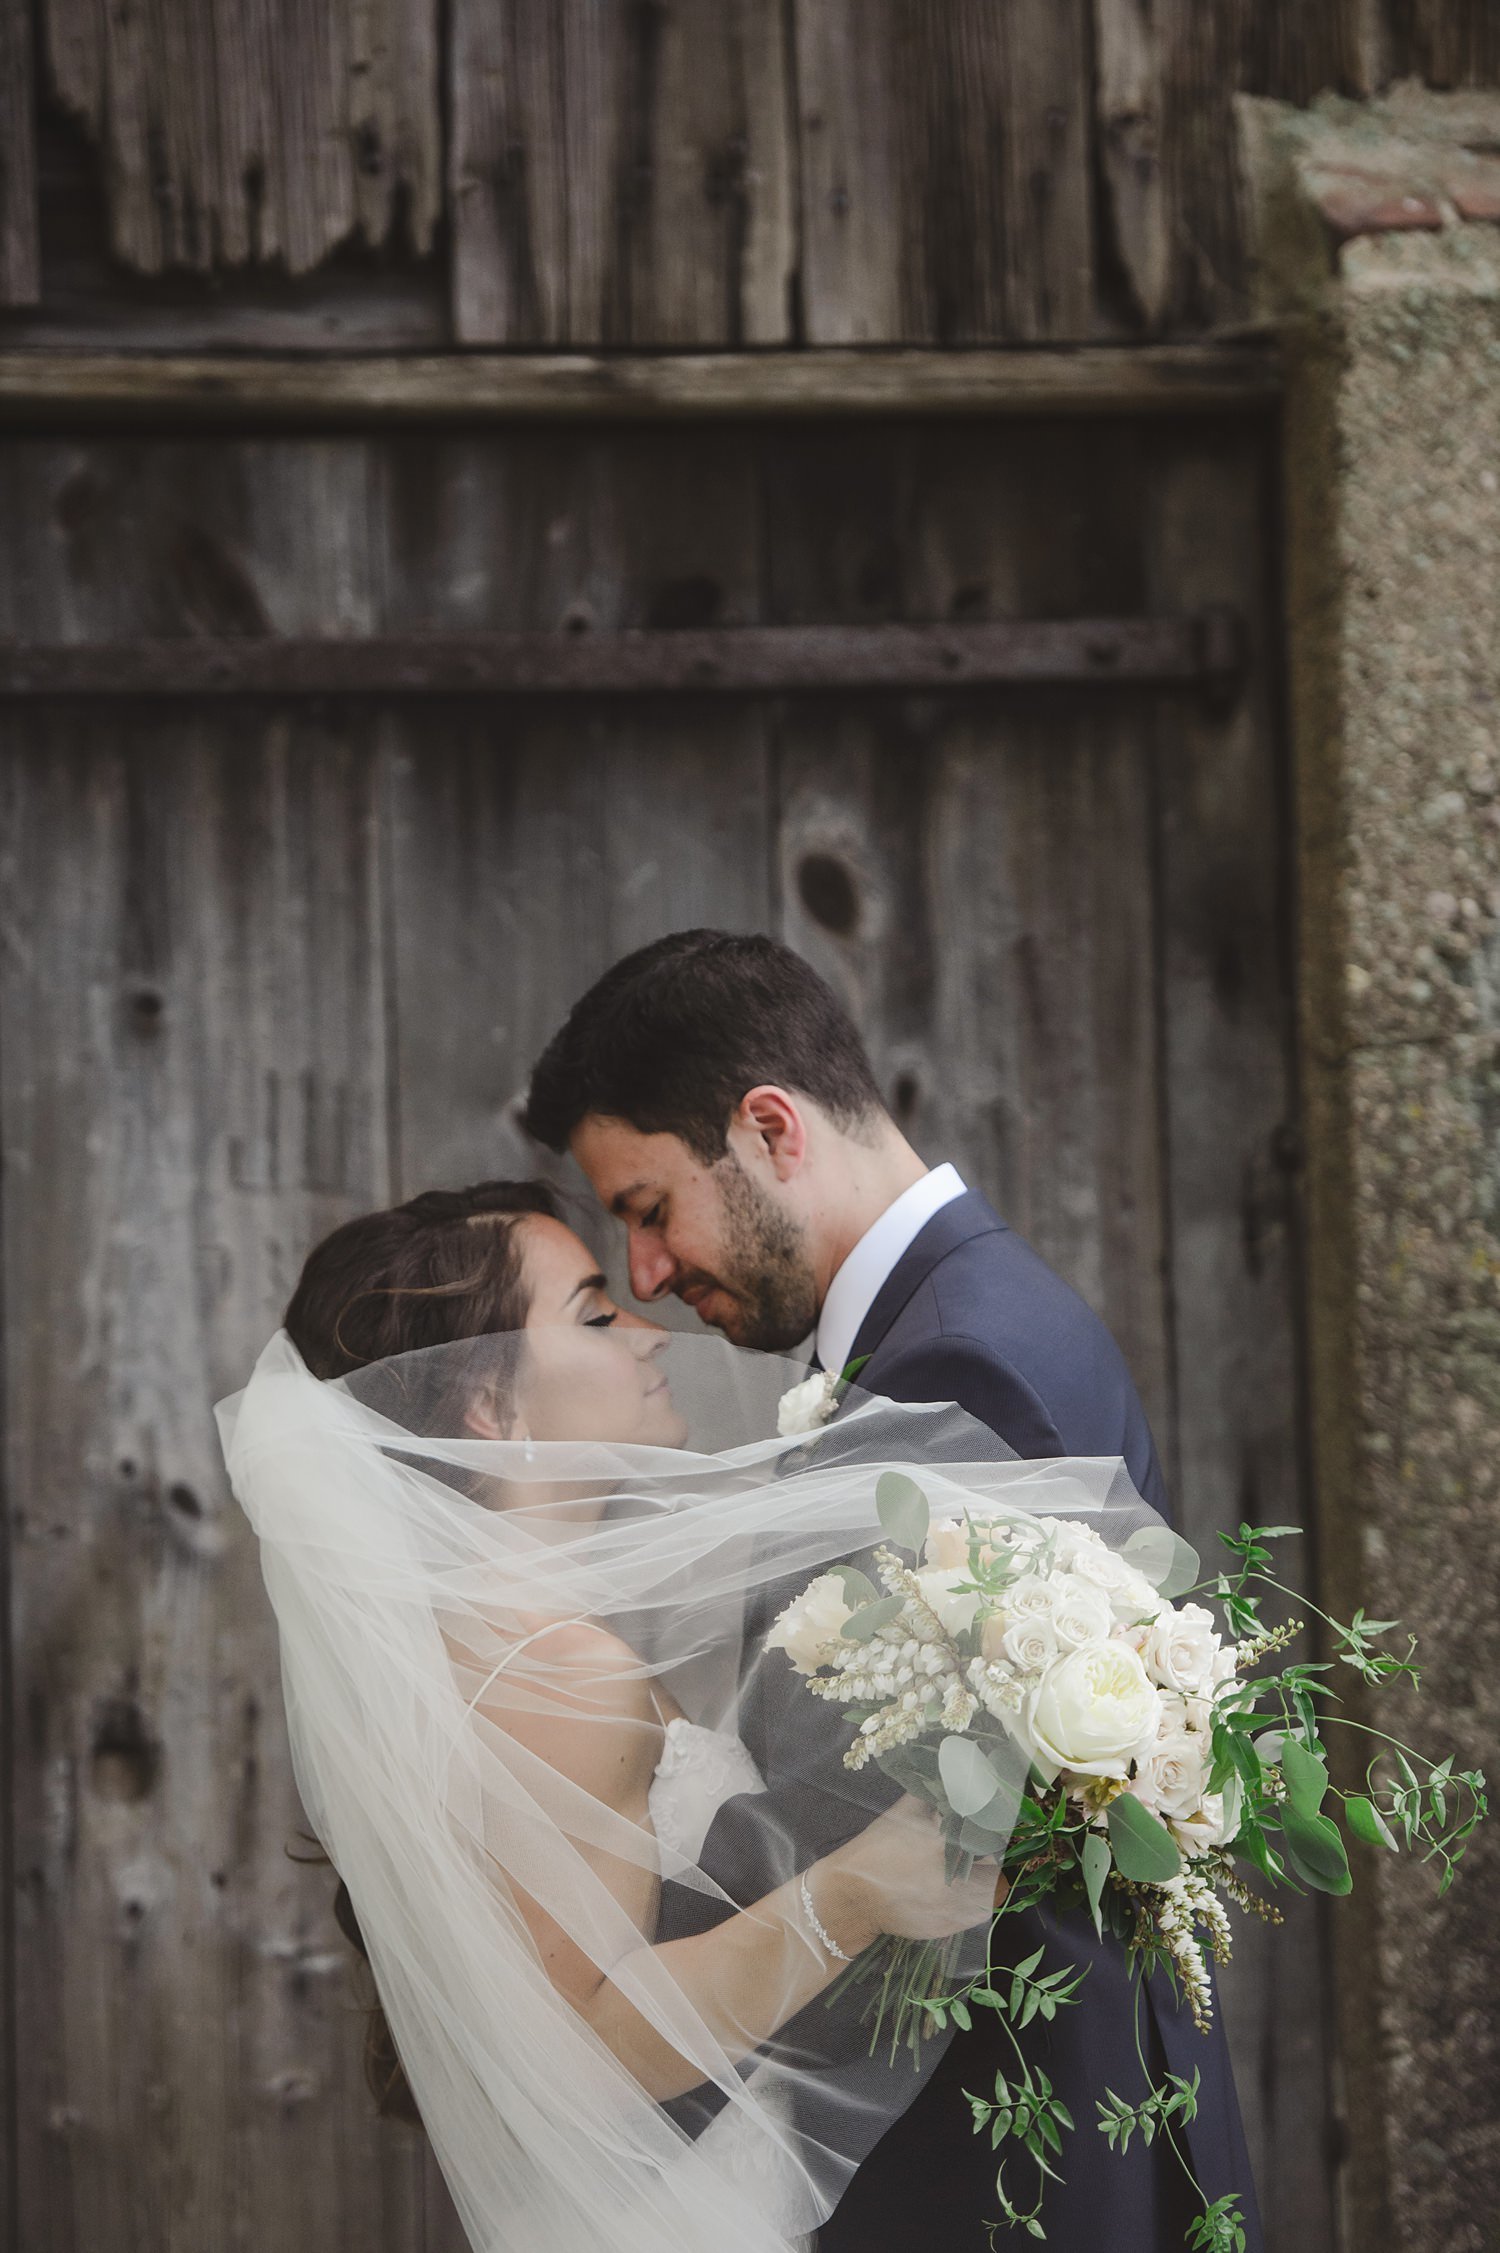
x,y
652,1267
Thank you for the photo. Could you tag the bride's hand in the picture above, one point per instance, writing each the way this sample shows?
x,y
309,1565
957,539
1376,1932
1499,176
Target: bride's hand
x,y
891,1878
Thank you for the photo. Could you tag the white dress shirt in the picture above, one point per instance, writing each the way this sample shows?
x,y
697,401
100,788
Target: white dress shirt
x,y
856,1284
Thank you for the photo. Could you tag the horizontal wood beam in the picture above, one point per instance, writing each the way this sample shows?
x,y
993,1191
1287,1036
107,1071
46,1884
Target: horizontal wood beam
x,y
56,389
742,660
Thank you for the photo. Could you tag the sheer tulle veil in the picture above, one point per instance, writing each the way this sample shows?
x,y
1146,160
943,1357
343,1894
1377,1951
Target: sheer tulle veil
x,y
415,1566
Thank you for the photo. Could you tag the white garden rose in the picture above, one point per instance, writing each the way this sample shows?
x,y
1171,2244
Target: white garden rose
x,y
810,1621
1134,1598
1081,1615
1030,1597
936,1587
1028,1644
1181,1649
1172,1774
807,1407
1092,1560
1094,1710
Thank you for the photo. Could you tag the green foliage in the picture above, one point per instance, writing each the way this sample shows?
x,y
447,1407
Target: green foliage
x,y
861,1625
1171,2099
903,1510
859,1588
1220,2228
1096,1858
1142,1845
968,1777
1357,1650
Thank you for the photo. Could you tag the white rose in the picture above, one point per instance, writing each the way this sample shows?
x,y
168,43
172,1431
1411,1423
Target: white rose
x,y
1028,1644
936,1586
1094,1710
810,1621
1214,1822
1172,1772
1181,1648
1092,1560
1081,1615
1030,1597
807,1407
1135,1598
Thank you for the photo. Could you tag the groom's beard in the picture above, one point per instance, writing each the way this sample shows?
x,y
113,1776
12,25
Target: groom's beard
x,y
765,1272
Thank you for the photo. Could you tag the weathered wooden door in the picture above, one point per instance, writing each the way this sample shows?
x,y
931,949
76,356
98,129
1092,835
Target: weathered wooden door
x,y
273,958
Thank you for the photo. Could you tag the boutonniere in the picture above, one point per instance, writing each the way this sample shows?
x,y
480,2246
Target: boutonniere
x,y
809,1406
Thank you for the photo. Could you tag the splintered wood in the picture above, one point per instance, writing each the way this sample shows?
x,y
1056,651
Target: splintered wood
x,y
620,176
264,132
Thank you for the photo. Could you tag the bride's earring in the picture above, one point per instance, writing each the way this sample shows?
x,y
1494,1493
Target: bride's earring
x,y
529,1450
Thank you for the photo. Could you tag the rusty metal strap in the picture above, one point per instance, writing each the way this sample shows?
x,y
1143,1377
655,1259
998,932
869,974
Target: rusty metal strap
x,y
1205,649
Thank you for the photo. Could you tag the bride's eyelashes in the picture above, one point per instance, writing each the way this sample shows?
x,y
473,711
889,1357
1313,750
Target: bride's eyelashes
x,y
600,1321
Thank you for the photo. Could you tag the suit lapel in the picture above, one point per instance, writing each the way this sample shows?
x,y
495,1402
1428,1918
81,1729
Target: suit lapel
x,y
951,1225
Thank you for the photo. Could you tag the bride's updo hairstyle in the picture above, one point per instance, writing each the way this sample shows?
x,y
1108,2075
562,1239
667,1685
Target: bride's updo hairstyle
x,y
442,1267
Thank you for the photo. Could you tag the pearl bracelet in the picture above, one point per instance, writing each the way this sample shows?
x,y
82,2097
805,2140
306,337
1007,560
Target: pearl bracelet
x,y
819,1930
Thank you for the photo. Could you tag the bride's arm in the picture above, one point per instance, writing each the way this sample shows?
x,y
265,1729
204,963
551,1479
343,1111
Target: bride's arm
x,y
751,1973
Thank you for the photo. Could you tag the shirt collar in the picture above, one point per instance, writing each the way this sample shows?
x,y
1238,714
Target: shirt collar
x,y
853,1290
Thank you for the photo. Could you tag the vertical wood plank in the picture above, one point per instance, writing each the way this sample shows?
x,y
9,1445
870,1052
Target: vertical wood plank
x,y
1448,42
256,133
534,844
1231,1106
1205,56
109,540
1127,124
194,1087
945,168
621,174
975,876
20,243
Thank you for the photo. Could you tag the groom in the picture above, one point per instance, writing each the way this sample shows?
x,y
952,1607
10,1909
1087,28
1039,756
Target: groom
x,y
720,1100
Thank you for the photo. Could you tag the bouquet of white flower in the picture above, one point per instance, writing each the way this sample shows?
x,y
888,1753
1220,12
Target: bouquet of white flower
x,y
1104,1745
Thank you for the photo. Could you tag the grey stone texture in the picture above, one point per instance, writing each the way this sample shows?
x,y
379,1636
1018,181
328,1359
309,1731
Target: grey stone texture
x,y
1393,588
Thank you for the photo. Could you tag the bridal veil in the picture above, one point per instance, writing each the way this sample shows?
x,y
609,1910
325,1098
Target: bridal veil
x,y
410,1564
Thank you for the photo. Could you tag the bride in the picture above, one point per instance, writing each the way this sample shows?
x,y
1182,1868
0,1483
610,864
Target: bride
x,y
517,1541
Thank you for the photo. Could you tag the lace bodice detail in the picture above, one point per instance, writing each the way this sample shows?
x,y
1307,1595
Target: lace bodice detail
x,y
699,1769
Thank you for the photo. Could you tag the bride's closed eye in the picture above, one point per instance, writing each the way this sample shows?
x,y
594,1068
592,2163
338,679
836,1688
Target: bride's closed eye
x,y
599,1321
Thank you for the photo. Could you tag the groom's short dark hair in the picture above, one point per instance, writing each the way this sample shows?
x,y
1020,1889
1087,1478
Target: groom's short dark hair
x,y
677,1033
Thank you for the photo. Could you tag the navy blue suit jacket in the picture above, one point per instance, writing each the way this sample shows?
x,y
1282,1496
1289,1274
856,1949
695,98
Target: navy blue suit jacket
x,y
971,1314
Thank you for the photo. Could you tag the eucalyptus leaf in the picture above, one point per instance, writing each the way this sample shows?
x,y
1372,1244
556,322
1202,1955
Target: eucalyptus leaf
x,y
903,1510
1165,1558
968,1779
1096,1861
859,1588
1142,1846
861,1625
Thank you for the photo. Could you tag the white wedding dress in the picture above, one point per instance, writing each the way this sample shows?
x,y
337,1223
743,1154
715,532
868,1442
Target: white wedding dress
x,y
699,1770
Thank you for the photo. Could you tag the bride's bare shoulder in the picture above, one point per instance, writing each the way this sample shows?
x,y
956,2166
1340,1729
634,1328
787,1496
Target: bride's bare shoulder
x,y
575,1667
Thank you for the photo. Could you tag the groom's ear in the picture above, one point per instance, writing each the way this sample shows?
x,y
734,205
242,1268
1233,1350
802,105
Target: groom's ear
x,y
774,1123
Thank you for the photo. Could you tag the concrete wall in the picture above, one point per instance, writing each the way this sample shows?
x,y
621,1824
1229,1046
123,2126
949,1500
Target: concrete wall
x,y
1390,299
